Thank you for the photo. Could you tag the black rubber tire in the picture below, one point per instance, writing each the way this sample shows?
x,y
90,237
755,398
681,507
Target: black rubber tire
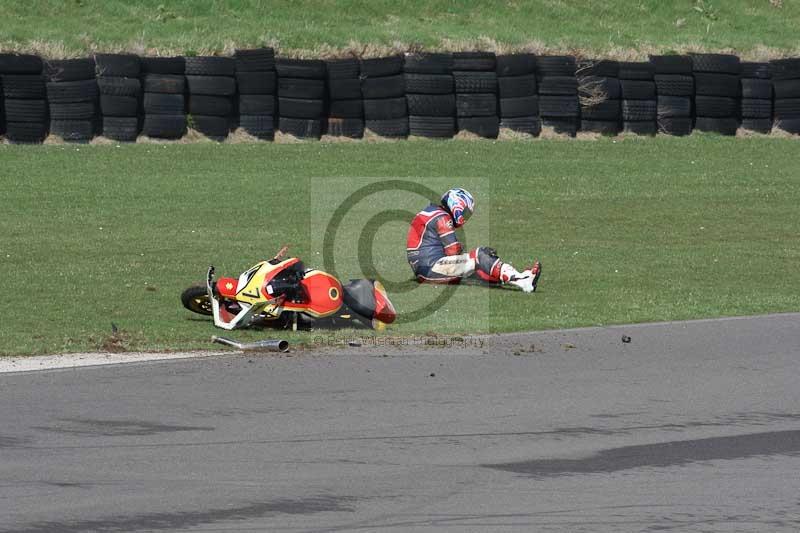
x,y
211,85
24,86
524,106
517,86
26,132
758,125
428,63
354,108
301,88
716,106
675,126
164,65
515,65
604,127
557,107
639,110
431,105
216,106
605,111
754,108
591,86
344,89
672,64
475,82
723,126
261,126
300,127
387,108
210,66
257,104
305,108
789,125
255,60
556,66
352,128
674,85
394,128
301,68
196,300
474,61
383,87
716,63
213,127
256,82
717,85
117,65
164,126
785,69
429,83
755,70
119,106
164,83
637,89
432,127
674,107
558,85
26,110
382,66
603,68
636,70
342,69
69,69
756,88
786,88
73,111
73,130
20,64
564,126
644,127
486,127
124,129
163,104
529,125
787,108
72,91
476,105
119,86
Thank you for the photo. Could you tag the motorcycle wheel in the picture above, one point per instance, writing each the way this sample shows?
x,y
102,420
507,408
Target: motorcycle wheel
x,y
196,299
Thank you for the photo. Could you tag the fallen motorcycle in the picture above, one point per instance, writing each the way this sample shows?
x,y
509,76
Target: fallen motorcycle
x,y
284,294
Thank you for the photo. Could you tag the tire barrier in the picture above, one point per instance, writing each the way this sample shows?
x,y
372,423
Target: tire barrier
x,y
433,95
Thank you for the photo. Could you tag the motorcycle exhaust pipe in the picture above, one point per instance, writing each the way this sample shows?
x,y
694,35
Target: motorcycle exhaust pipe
x,y
268,345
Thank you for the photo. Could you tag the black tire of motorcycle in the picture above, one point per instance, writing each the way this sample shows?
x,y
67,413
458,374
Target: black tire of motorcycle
x,y
196,300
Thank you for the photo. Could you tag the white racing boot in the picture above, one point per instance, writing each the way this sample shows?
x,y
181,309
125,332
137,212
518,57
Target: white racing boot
x,y
525,280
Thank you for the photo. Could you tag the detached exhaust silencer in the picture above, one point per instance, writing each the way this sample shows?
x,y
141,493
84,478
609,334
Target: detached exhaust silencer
x,y
267,345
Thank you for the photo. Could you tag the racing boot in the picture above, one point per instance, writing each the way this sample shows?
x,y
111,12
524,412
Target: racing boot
x,y
525,280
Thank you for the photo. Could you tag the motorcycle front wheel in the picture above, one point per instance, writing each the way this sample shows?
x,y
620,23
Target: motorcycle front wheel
x,y
196,300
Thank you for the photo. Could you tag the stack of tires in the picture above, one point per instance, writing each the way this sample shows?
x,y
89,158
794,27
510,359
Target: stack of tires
x,y
385,117
756,103
786,84
517,91
558,93
301,97
599,91
717,89
118,79
211,83
675,89
475,80
345,104
255,80
72,98
164,85
24,98
430,93
639,104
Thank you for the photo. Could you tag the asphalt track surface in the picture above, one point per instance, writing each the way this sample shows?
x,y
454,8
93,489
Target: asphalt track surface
x,y
689,427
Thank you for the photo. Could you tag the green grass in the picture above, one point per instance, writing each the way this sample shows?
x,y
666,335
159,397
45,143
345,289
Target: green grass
x,y
595,26
629,230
